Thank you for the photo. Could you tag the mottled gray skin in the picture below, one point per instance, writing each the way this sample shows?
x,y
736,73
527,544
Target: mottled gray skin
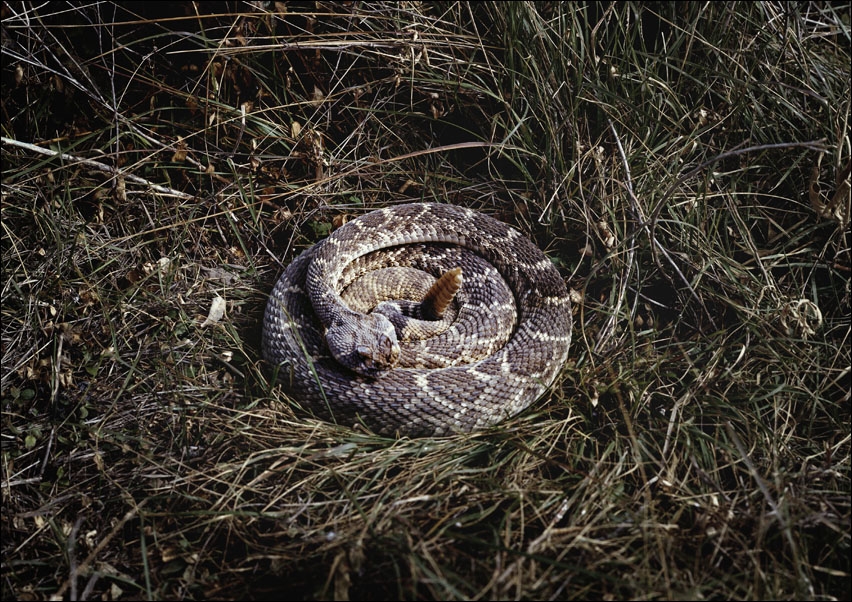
x,y
350,374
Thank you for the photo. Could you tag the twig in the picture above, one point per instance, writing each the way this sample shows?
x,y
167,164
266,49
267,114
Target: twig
x,y
97,165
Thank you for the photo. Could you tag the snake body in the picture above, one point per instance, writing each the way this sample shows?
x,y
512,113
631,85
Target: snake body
x,y
502,345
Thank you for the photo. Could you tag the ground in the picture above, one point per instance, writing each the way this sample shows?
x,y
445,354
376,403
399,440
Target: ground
x,y
685,166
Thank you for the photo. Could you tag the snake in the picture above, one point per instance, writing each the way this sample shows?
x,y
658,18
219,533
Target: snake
x,y
418,319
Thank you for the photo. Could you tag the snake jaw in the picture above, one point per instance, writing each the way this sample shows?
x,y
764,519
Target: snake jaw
x,y
366,344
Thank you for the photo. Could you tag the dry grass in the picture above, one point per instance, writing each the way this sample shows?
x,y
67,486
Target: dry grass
x,y
685,165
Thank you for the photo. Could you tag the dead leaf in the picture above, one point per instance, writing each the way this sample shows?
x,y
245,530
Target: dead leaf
x,y
216,313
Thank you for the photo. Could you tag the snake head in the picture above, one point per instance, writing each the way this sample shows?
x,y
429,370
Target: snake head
x,y
366,344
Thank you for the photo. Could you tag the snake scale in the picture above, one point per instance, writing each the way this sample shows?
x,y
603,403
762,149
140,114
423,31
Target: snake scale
x,y
491,358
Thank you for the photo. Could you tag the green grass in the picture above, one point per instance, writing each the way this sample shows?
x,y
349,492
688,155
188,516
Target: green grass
x,y
686,166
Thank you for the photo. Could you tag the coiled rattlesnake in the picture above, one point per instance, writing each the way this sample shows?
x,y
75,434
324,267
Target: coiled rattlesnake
x,y
504,338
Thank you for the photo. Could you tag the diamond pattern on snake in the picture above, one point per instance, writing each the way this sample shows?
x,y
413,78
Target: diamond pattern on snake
x,y
352,338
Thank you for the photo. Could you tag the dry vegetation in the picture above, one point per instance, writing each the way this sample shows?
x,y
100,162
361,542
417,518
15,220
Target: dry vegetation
x,y
685,165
